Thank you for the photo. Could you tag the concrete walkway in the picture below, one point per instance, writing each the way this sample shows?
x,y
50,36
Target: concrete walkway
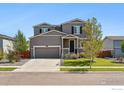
x,y
40,65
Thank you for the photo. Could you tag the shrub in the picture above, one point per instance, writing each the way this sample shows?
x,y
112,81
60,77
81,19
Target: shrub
x,y
120,59
67,56
11,56
1,54
71,56
81,55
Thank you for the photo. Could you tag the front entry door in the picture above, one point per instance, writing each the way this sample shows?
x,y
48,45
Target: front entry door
x,y
71,45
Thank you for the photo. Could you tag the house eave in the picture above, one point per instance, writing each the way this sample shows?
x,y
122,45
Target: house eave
x,y
43,34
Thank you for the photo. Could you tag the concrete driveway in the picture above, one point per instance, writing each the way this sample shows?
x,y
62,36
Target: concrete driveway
x,y
40,65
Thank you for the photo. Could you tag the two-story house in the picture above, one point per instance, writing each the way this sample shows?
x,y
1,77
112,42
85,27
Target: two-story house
x,y
113,43
54,41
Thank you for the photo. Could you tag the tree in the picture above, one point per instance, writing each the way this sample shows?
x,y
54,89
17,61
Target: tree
x,y
122,46
20,43
93,42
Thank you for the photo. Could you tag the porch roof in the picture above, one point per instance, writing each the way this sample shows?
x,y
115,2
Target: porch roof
x,y
70,36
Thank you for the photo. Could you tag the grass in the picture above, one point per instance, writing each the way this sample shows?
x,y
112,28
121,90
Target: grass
x,y
7,69
92,69
85,62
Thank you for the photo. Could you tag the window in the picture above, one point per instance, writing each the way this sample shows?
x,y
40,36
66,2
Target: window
x,y
44,29
117,44
76,29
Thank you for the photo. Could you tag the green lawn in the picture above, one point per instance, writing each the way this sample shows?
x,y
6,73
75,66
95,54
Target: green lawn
x,y
92,69
7,69
85,62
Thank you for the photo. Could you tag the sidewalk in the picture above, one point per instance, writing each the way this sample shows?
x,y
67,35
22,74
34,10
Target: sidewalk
x,y
92,66
10,66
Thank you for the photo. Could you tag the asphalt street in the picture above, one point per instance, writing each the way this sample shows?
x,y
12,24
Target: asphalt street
x,y
61,78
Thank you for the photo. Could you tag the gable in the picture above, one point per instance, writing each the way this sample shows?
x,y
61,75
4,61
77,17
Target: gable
x,y
42,24
51,33
54,32
74,21
70,35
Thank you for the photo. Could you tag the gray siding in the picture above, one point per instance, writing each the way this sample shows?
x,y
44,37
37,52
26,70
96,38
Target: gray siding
x,y
37,28
45,40
117,43
1,45
108,44
53,32
36,31
67,28
117,48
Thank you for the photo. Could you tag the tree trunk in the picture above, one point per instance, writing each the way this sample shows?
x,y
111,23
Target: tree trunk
x,y
91,60
90,64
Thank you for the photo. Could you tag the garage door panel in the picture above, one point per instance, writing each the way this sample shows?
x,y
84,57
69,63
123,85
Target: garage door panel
x,y
49,52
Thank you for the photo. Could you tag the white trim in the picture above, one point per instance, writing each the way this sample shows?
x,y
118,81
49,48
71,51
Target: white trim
x,y
48,32
69,47
75,33
70,35
65,48
49,46
80,45
34,52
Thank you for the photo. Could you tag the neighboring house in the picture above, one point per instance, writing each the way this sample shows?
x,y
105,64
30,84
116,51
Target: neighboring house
x,y
54,41
113,43
5,43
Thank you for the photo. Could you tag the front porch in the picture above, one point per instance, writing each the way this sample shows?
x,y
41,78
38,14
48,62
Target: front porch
x,y
71,44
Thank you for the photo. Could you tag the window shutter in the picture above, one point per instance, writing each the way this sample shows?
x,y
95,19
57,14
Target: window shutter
x,y
80,29
72,30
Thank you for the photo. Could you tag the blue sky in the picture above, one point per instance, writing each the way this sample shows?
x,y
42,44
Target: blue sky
x,y
24,16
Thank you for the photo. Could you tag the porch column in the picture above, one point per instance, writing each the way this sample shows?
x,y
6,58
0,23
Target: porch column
x,y
77,47
33,52
62,47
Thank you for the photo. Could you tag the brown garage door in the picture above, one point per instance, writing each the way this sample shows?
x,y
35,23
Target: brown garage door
x,y
49,52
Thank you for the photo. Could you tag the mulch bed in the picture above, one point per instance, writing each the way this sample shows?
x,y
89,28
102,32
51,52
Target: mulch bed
x,y
7,63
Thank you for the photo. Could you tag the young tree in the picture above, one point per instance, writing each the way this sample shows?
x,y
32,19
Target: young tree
x,y
20,43
93,43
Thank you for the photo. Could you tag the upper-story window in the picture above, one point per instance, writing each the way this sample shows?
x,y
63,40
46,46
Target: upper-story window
x,y
42,30
76,29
